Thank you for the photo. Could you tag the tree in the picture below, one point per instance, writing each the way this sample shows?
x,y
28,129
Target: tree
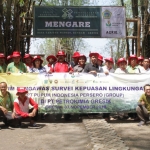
x,y
13,14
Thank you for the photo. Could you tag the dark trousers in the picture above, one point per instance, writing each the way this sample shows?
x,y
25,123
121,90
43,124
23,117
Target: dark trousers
x,y
35,118
5,120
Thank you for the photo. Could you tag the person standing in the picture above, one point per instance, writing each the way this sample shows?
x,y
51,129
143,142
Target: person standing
x,y
122,64
16,66
108,68
28,61
133,66
92,67
51,61
145,68
3,65
62,66
100,62
81,64
75,59
37,65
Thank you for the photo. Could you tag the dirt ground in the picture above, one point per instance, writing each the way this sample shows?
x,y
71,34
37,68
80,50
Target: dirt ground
x,y
54,135
70,135
135,137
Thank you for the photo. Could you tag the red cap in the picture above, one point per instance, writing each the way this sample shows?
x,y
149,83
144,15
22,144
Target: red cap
x,y
121,60
141,58
109,59
93,54
51,56
61,53
16,54
82,55
21,90
100,57
27,56
2,55
37,57
76,54
133,56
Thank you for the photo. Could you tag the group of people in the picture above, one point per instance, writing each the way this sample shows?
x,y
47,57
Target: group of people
x,y
59,64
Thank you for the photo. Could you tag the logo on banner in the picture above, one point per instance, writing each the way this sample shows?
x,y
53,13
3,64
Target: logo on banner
x,y
67,13
108,24
106,14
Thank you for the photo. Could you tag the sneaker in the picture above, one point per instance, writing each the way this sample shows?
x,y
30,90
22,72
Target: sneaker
x,y
141,123
34,126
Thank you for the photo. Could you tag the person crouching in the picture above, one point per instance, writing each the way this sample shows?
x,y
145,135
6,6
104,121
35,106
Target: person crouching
x,y
21,107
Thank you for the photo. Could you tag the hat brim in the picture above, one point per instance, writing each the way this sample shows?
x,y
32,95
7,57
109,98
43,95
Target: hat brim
x,y
93,54
53,57
36,59
13,56
121,61
22,92
60,55
107,60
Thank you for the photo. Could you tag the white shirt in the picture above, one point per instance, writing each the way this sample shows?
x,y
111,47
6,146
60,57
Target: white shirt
x,y
142,69
105,69
118,70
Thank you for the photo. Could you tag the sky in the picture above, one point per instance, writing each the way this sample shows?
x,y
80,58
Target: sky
x,y
94,44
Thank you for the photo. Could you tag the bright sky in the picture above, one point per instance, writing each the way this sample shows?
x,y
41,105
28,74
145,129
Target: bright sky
x,y
94,44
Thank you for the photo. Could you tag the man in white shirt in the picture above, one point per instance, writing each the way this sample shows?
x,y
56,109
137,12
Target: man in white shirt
x,y
145,68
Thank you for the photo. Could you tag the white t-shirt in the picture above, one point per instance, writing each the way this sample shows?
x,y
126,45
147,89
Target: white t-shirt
x,y
118,70
142,69
105,69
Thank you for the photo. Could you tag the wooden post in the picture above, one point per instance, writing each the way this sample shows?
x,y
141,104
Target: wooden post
x,y
138,37
138,20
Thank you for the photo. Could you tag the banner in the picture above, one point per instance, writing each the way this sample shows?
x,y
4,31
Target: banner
x,y
79,92
75,21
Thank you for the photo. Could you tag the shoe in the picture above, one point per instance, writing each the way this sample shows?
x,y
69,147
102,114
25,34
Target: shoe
x,y
34,126
107,119
11,128
141,123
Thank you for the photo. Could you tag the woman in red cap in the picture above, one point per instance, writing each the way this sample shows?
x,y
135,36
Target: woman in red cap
x,y
28,61
37,65
75,59
122,64
21,107
81,64
50,66
108,68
